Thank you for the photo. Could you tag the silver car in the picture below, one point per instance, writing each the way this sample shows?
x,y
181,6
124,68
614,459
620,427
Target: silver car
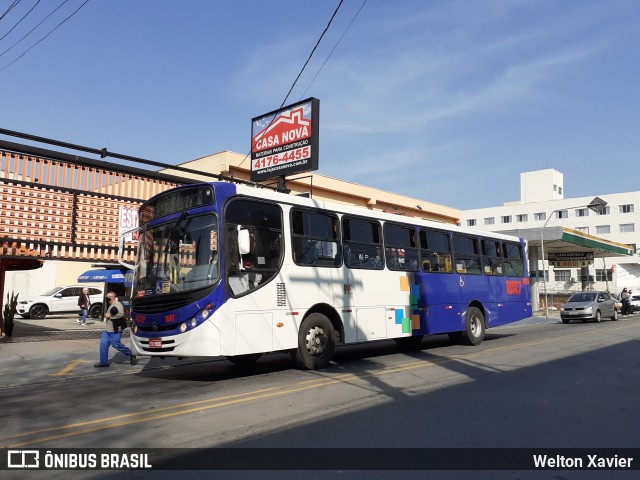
x,y
589,306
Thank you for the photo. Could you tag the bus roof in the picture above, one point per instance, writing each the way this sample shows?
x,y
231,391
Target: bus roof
x,y
358,211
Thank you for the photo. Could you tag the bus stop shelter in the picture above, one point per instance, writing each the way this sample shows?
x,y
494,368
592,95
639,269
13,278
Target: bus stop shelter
x,y
561,240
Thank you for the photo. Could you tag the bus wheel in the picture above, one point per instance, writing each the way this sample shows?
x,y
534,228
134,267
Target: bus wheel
x,y
473,333
316,343
243,360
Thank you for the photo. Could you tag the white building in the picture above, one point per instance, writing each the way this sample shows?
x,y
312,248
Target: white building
x,y
605,230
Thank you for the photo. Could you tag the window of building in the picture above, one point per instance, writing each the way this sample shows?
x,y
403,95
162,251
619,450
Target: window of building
x,y
362,243
560,190
633,247
582,212
471,222
540,216
627,228
401,247
600,275
506,219
602,210
555,188
603,229
626,208
562,275
583,229
489,221
522,218
562,214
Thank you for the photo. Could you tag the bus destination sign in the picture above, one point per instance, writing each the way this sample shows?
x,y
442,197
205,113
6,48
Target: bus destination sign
x,y
285,141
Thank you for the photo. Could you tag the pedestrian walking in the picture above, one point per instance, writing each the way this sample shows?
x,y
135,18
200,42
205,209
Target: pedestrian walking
x,y
114,324
84,302
625,299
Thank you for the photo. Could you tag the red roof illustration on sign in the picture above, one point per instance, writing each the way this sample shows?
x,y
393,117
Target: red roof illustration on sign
x,y
289,127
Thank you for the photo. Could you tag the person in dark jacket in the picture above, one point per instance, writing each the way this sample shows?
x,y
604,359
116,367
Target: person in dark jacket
x,y
84,302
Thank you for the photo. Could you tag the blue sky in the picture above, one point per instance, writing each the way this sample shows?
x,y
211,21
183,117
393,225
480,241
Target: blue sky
x,y
446,101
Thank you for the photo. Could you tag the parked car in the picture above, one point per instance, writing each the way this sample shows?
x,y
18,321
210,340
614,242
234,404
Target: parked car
x,y
62,299
635,303
585,306
616,297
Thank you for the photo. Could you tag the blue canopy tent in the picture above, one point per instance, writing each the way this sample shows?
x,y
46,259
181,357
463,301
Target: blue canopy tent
x,y
116,279
115,275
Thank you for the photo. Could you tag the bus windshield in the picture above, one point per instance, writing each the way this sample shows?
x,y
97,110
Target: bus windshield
x,y
178,256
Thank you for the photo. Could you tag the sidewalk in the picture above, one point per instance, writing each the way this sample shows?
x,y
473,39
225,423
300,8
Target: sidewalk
x,y
40,350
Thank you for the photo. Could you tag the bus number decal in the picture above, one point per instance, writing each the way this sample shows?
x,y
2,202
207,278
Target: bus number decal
x,y
514,287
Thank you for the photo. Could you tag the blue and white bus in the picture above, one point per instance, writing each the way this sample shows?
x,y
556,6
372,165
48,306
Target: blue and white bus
x,y
231,270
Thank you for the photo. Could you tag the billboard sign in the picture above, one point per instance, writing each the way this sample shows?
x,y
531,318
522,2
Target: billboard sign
x,y
128,220
285,142
571,259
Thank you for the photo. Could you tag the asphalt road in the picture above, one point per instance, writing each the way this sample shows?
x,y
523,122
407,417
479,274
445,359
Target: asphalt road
x,y
534,385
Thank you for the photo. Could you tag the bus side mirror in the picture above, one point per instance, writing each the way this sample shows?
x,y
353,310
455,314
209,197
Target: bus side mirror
x,y
244,242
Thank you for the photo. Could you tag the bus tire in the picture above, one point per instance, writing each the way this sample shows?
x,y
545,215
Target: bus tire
x,y
244,360
473,333
316,343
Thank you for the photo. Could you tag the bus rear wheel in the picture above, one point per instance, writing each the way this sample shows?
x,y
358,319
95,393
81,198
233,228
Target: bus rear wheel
x,y
473,333
316,343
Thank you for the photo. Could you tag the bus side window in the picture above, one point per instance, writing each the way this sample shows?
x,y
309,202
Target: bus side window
x,y
314,238
362,243
260,259
435,251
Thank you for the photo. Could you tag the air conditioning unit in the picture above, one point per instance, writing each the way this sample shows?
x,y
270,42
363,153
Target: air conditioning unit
x,y
572,280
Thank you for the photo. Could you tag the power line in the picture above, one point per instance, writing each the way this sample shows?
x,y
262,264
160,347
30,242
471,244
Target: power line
x,y
50,32
301,70
19,21
331,52
31,31
16,2
312,52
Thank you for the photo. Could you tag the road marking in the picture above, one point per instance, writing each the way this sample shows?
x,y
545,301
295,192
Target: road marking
x,y
211,403
66,370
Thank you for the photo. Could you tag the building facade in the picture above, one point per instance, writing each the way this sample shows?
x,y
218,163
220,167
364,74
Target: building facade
x,y
231,164
542,206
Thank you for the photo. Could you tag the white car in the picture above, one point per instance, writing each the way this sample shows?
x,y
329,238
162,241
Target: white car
x,y
635,302
60,300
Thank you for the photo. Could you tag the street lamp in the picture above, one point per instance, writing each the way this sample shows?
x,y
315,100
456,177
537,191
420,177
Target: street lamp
x,y
595,204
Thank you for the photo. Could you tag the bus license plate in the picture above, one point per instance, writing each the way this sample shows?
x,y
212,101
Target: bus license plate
x,y
155,343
